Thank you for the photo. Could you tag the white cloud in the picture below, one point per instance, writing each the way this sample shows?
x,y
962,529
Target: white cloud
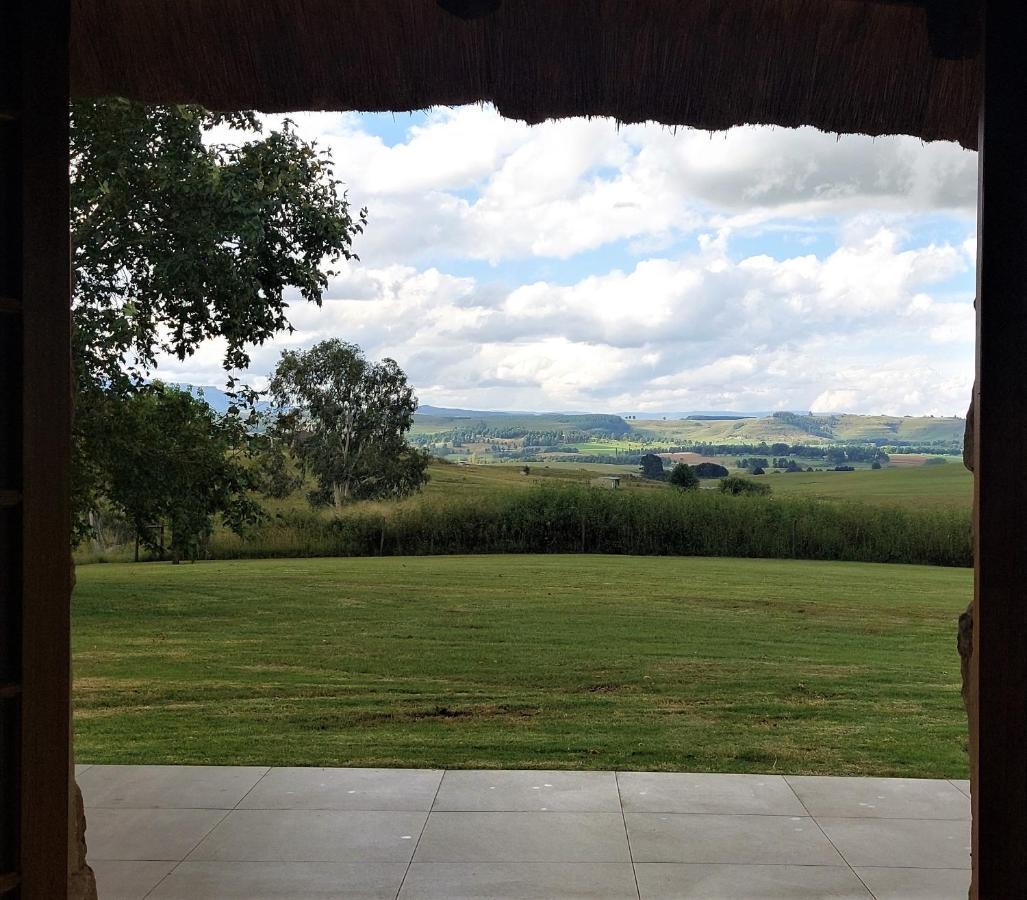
x,y
854,331
468,183
862,311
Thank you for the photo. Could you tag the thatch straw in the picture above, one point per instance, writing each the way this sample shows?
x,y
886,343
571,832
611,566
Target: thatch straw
x,y
841,65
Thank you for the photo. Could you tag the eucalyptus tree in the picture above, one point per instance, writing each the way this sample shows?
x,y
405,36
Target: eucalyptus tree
x,y
345,418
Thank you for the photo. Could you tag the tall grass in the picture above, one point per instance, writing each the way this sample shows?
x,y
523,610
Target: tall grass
x,y
581,520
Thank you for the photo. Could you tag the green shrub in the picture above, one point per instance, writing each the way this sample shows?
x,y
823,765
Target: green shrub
x,y
682,476
736,485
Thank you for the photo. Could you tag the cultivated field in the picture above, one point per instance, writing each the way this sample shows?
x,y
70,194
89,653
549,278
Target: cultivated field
x,y
946,485
496,661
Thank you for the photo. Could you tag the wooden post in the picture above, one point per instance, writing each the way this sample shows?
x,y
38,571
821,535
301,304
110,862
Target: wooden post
x,y
35,390
1000,494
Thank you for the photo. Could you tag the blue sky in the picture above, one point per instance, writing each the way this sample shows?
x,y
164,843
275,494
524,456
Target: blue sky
x,y
582,265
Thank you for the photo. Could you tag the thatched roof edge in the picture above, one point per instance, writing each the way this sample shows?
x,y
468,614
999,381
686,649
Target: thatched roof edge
x,y
843,66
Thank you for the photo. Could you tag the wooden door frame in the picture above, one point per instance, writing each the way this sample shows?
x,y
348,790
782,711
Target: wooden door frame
x,y
999,662
34,104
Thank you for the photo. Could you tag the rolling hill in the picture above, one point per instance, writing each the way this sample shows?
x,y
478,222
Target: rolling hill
x,y
788,428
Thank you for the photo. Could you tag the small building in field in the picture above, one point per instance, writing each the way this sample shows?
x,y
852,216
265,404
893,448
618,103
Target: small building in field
x,y
611,482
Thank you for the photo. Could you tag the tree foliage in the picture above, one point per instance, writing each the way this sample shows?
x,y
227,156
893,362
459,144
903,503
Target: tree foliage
x,y
735,484
345,419
682,476
169,458
180,236
710,470
652,466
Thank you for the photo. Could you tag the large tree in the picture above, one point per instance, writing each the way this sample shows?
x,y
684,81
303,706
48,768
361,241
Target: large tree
x,y
346,419
170,460
682,476
187,226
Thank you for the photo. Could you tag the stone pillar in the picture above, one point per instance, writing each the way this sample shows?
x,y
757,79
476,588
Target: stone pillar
x,y
81,881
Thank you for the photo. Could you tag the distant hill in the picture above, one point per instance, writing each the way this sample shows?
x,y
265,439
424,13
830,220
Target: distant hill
x,y
449,412
709,427
651,416
507,424
795,428
216,399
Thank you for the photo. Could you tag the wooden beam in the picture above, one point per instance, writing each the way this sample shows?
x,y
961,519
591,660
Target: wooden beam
x,y
1000,620
46,442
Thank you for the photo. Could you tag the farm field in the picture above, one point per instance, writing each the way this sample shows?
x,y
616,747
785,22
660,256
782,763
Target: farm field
x,y
491,661
948,485
457,480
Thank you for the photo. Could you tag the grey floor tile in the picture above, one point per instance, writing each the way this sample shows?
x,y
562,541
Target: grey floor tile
x,y
753,840
519,881
892,798
708,793
281,881
916,884
523,837
168,787
371,789
963,784
313,835
676,881
528,791
919,843
128,880
147,833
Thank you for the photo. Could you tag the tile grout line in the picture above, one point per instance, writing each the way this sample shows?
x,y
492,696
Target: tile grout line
x,y
627,837
174,868
424,827
827,837
965,793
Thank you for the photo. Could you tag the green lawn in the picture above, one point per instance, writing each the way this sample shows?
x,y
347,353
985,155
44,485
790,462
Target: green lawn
x,y
527,661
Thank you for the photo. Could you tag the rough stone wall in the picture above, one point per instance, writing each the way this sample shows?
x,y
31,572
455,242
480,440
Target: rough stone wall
x,y
81,880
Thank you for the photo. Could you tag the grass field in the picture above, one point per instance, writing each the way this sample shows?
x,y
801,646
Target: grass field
x,y
944,485
947,485
492,661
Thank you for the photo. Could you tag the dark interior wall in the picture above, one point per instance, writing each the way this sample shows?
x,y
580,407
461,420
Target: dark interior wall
x,y
10,447
35,429
1000,614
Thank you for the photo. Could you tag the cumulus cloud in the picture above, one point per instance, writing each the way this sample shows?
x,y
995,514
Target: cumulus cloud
x,y
855,331
664,283
468,183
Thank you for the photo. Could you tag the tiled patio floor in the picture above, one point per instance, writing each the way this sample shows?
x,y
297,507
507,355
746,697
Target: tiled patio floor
x,y
253,833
